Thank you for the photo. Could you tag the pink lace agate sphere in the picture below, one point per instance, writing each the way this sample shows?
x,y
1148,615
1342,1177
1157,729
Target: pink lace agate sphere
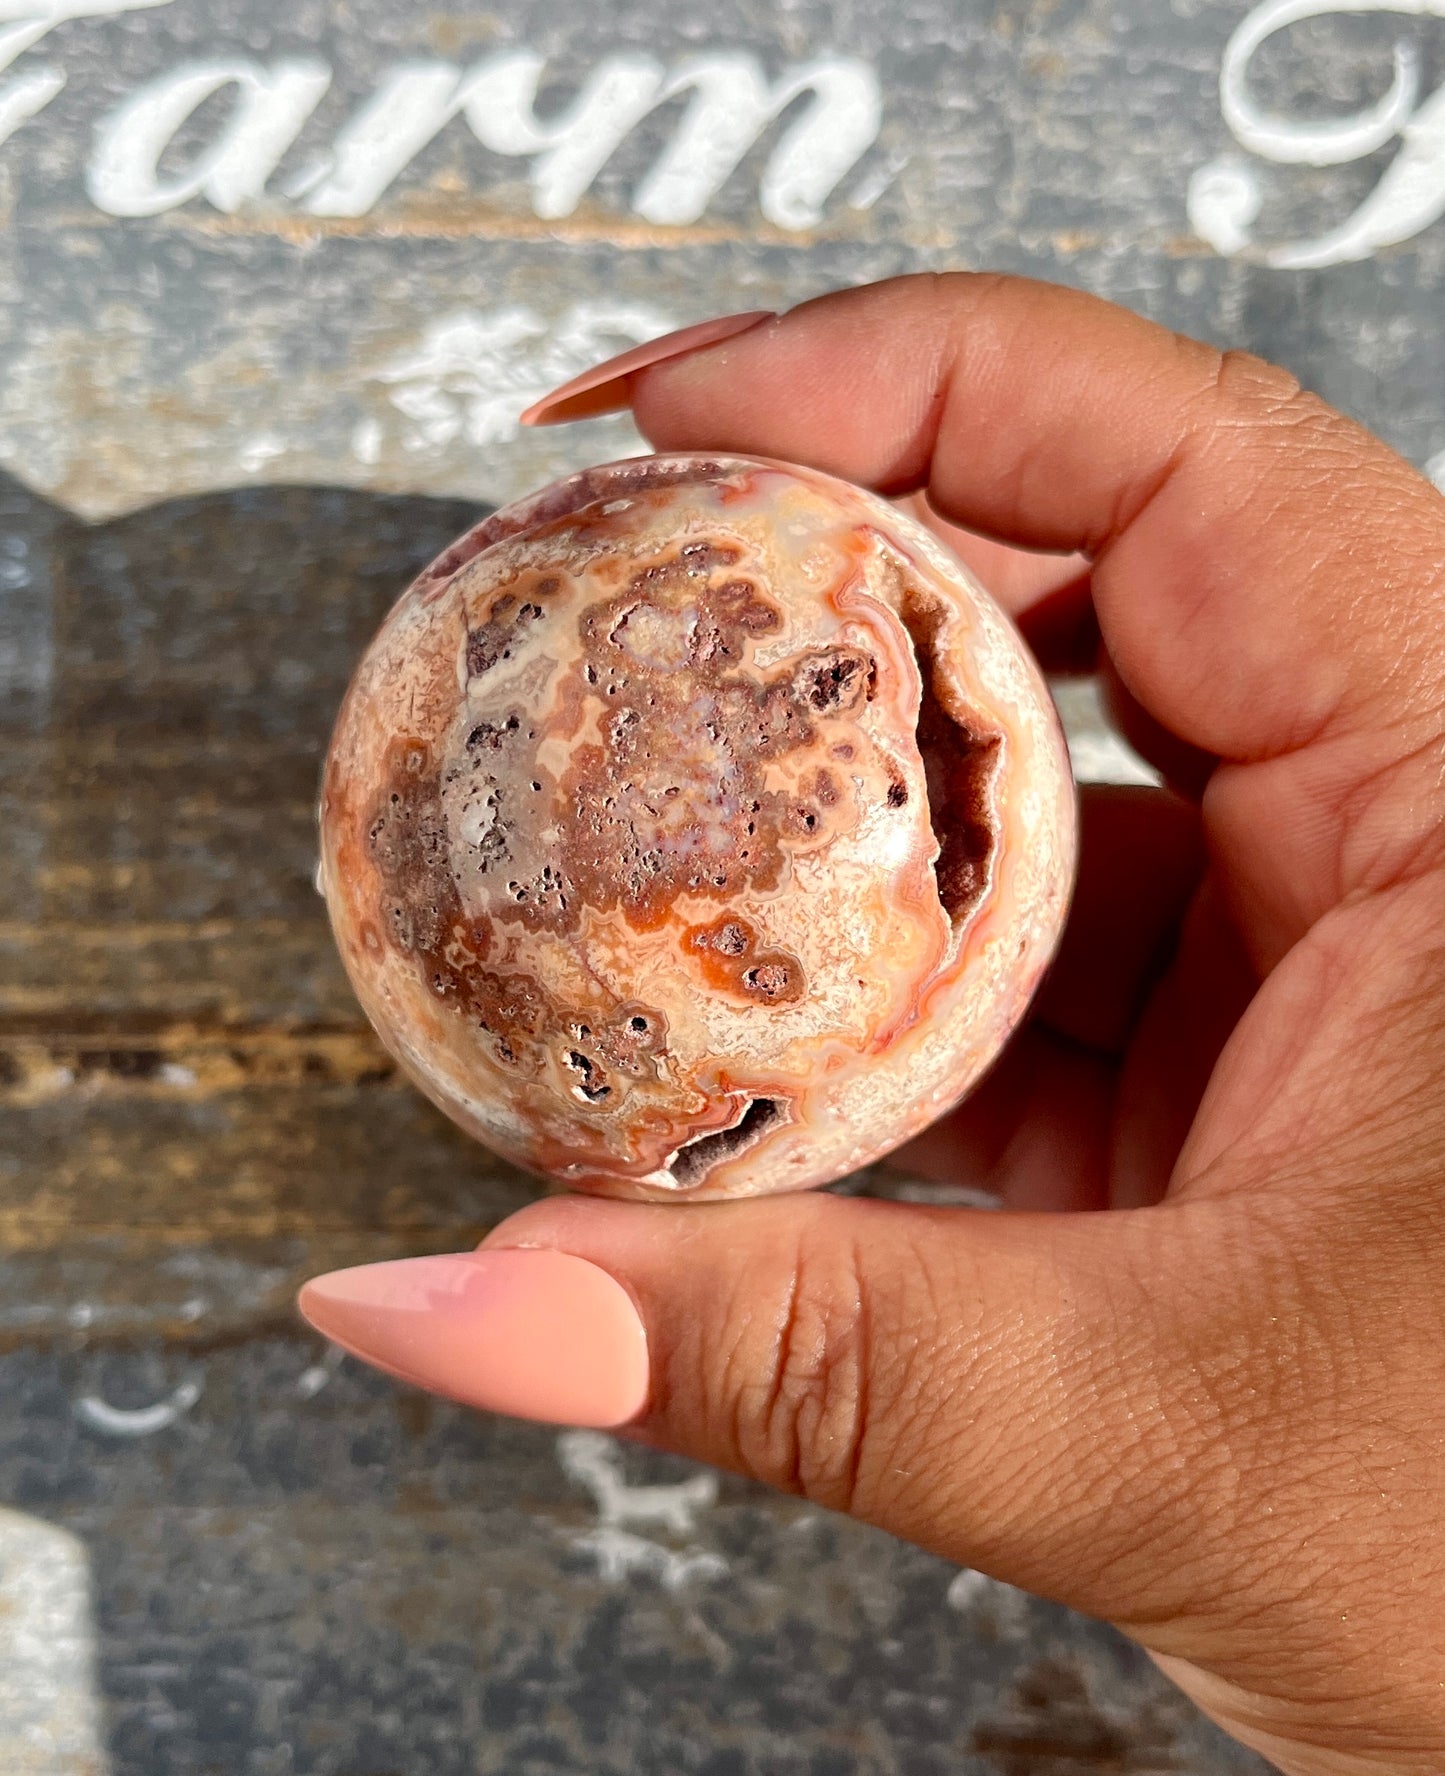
x,y
696,828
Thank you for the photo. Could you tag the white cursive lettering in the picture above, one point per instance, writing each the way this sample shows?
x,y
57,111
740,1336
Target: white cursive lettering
x,y
1288,140
501,109
396,123
732,105
497,96
1408,199
1225,198
22,24
271,106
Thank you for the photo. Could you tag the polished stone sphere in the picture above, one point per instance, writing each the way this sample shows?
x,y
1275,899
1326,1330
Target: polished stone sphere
x,y
697,828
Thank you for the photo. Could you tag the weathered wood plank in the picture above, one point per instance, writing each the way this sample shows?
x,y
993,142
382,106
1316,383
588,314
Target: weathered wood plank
x,y
301,1571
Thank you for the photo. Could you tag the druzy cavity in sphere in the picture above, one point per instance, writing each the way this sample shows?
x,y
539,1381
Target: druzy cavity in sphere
x,y
696,828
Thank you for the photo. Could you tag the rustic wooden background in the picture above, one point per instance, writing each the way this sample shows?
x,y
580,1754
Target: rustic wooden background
x,y
231,434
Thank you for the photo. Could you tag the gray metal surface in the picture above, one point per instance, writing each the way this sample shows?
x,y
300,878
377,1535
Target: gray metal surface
x,y
274,283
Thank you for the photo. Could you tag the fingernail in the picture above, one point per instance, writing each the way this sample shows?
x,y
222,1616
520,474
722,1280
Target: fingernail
x,y
605,387
533,1334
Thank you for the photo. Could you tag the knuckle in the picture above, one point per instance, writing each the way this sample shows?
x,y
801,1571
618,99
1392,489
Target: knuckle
x,y
803,1410
1242,380
1253,401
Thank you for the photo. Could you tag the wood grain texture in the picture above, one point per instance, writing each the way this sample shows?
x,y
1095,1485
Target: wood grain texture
x,y
181,1058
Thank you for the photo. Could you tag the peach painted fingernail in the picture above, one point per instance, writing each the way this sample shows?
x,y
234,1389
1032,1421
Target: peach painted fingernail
x,y
533,1334
604,388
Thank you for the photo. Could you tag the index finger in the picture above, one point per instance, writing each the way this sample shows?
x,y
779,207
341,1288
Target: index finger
x,y
1267,575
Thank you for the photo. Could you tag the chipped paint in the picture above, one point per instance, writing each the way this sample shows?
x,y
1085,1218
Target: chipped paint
x,y
50,1714
317,1375
596,1462
472,372
620,1556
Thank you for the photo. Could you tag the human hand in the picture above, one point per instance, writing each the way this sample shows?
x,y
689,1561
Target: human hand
x,y
1211,1413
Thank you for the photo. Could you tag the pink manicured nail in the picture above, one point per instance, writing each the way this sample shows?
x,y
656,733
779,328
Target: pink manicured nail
x,y
533,1334
605,388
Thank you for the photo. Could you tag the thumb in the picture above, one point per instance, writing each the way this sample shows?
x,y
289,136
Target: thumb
x,y
1003,1389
